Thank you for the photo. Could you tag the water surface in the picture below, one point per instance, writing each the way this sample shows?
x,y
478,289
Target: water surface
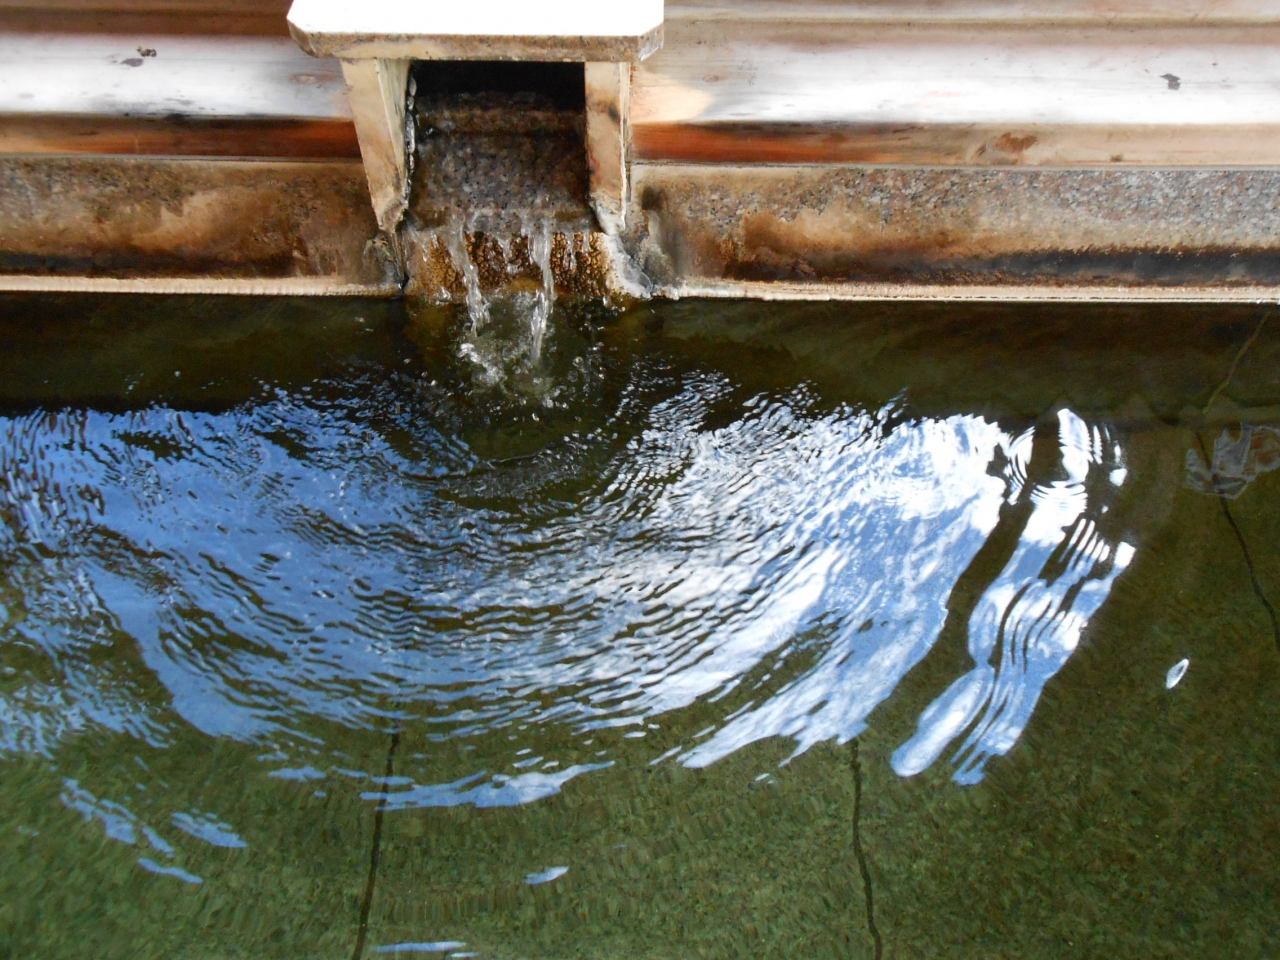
x,y
331,629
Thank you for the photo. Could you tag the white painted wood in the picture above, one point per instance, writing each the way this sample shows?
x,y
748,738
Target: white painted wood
x,y
478,29
854,74
517,18
156,76
608,133
377,91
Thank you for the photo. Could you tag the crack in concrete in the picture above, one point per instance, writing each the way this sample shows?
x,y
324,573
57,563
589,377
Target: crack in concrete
x,y
1231,371
1253,574
375,848
1222,500
861,855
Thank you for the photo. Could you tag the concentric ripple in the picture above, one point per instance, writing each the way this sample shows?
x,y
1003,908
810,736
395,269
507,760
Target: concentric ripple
x,y
342,558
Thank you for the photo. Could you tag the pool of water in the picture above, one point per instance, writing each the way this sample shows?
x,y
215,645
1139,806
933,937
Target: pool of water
x,y
703,630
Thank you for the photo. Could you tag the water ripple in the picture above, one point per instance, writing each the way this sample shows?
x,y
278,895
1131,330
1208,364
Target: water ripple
x,y
776,561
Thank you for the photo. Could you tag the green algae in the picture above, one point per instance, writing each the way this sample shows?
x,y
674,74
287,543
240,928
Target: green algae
x,y
1130,819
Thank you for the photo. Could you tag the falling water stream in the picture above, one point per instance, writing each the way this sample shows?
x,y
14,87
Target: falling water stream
x,y
526,630
499,184
505,329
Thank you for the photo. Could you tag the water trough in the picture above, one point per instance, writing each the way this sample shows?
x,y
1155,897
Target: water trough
x,y
930,149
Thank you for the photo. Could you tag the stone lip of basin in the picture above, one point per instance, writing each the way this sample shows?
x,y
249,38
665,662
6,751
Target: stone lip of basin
x,y
782,149
576,30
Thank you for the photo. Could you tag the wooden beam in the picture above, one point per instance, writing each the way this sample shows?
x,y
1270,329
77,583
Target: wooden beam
x,y
608,141
61,134
160,24
204,286
994,95
573,30
963,145
140,75
954,12
147,17
153,6
377,92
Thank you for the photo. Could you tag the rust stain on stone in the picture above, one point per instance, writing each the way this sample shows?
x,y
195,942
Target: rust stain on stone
x,y
579,264
1052,228
128,218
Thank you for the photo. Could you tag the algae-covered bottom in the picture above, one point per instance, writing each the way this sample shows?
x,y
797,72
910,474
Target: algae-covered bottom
x,y
707,630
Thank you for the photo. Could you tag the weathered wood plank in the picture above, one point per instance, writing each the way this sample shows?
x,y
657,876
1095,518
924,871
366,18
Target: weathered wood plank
x,y
152,6
920,12
158,24
977,145
208,285
147,17
608,141
758,91
148,75
178,136
1030,292
377,91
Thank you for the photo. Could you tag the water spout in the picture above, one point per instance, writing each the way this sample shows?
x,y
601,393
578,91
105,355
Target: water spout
x,y
506,326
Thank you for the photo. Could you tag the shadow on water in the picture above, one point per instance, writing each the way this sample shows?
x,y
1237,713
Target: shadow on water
x,y
619,618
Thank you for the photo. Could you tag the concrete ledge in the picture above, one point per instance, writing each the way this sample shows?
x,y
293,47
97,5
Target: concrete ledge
x,y
1021,293
218,286
167,225
956,233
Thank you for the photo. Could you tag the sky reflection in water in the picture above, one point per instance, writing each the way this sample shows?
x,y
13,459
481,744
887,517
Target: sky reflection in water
x,y
287,563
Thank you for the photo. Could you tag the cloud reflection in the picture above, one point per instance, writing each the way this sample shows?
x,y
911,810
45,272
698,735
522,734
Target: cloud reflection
x,y
1032,616
287,565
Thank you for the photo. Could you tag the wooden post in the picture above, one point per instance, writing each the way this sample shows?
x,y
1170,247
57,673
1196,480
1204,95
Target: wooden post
x,y
377,39
608,141
377,90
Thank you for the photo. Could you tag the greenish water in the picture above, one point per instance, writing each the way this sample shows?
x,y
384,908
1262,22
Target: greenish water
x,y
721,630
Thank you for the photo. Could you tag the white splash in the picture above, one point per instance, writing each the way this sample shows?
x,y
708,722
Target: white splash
x,y
506,332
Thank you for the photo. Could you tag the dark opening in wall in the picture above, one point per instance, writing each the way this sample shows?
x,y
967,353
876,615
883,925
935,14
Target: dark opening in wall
x,y
499,145
561,85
